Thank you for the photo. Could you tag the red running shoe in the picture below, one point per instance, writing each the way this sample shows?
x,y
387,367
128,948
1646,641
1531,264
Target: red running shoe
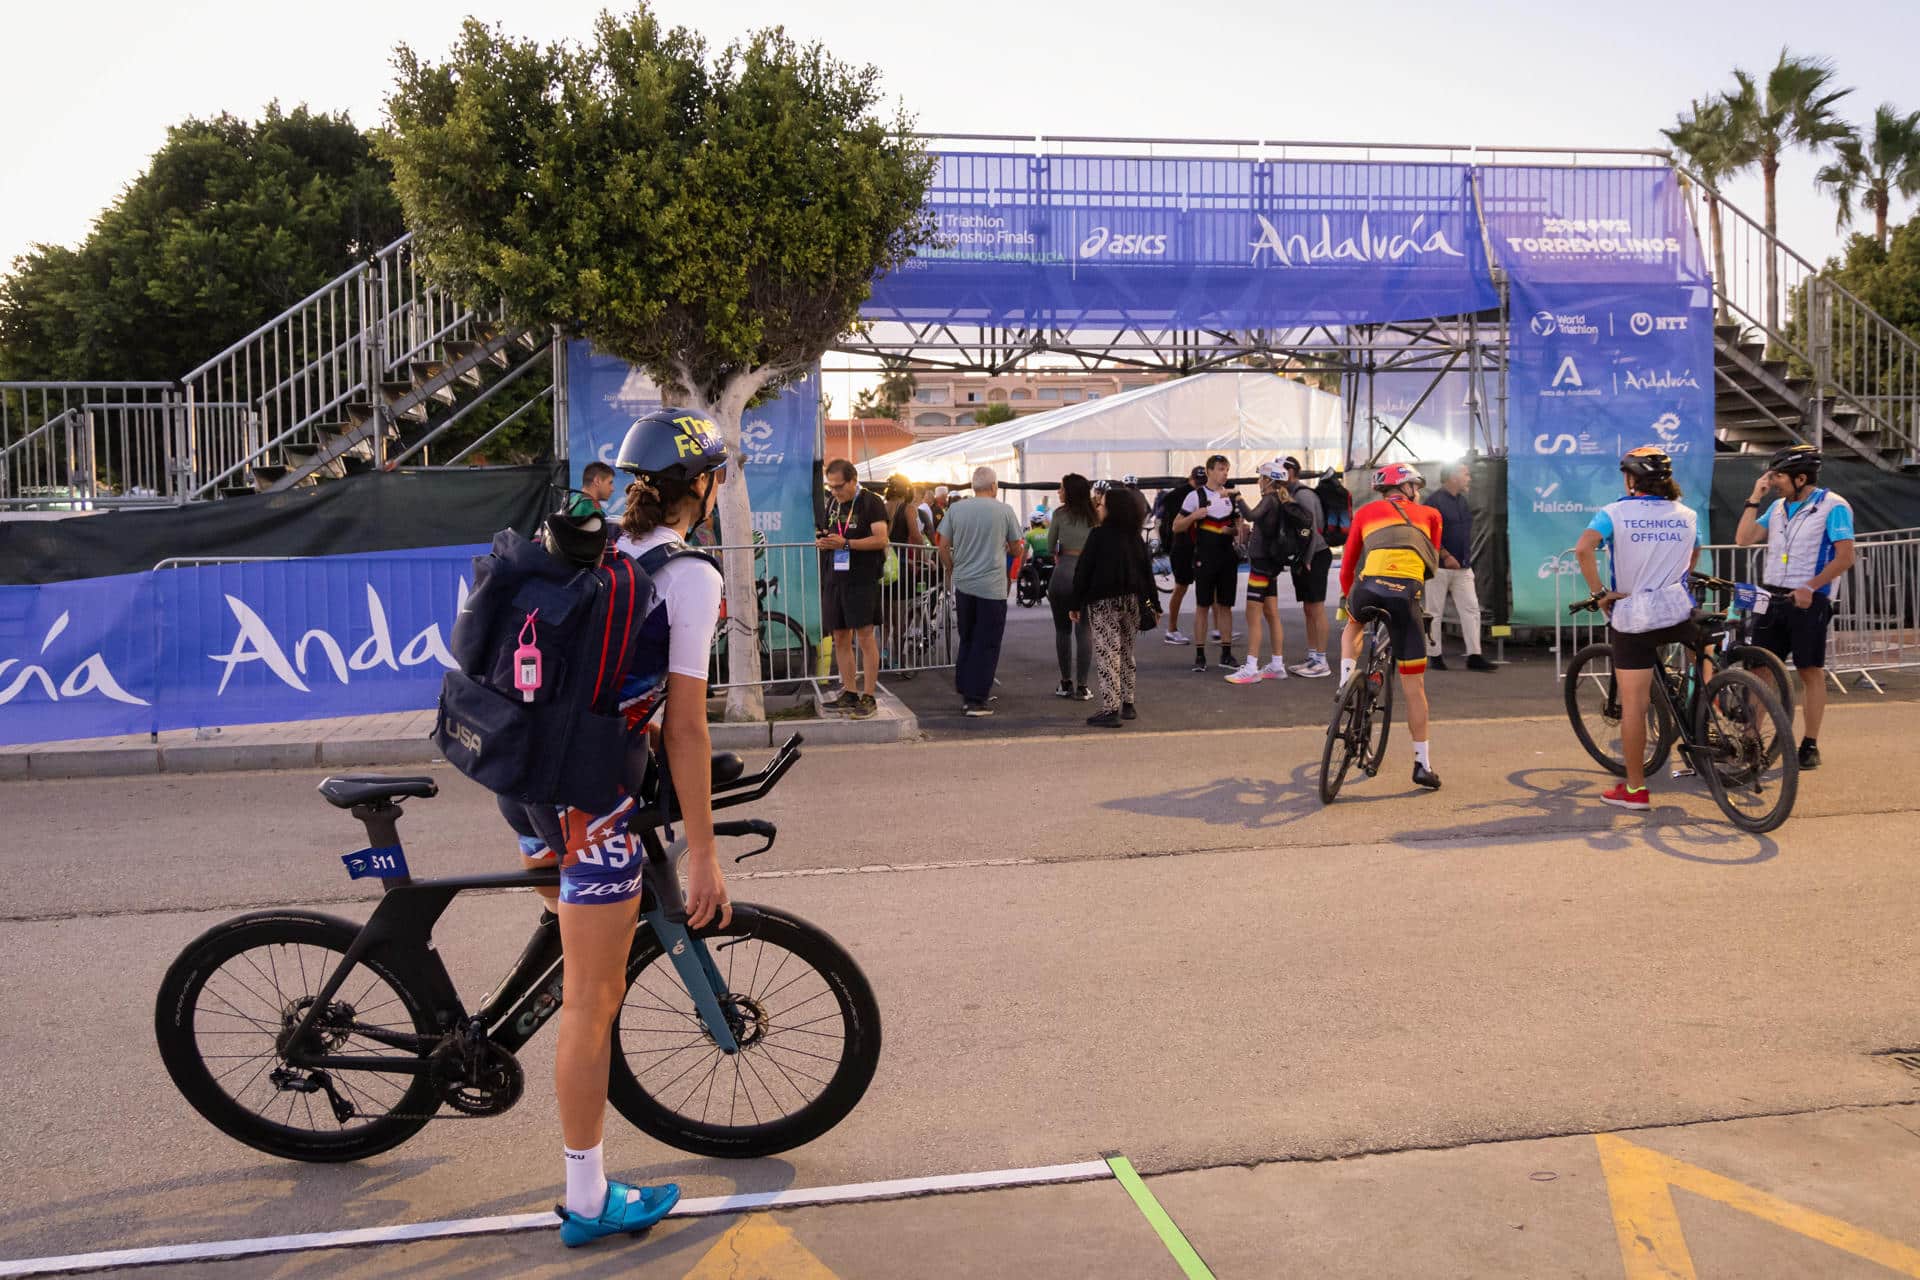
x,y
1621,798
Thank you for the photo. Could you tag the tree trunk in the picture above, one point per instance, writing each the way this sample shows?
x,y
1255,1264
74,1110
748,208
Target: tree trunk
x,y
1770,172
1880,203
1715,233
746,700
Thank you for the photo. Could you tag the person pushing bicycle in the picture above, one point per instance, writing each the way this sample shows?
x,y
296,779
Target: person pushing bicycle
x,y
1654,540
678,462
1388,558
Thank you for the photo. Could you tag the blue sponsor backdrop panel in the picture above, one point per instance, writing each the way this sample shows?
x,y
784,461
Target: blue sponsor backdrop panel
x,y
1091,240
1611,347
228,644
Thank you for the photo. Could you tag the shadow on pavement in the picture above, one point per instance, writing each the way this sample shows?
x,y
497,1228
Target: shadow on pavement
x,y
1559,803
1252,804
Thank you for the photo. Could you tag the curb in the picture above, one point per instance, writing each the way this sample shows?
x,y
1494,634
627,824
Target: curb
x,y
895,722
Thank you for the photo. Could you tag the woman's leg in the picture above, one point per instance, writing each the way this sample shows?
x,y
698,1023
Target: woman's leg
x,y
1105,616
1063,637
596,939
1083,651
1127,640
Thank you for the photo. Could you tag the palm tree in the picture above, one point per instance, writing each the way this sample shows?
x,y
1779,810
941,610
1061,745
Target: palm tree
x,y
1704,134
1795,109
897,384
1876,168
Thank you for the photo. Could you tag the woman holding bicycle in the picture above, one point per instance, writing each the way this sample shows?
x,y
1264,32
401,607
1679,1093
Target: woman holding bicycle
x,y
678,462
1654,540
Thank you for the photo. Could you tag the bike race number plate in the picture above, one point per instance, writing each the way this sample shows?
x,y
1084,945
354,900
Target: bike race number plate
x,y
386,862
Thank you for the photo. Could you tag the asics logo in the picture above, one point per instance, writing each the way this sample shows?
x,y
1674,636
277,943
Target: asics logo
x,y
1103,240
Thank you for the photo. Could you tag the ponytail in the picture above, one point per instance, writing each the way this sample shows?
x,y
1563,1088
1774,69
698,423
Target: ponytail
x,y
651,500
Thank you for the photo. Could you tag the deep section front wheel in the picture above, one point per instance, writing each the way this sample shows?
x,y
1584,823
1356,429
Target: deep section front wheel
x,y
239,989
1593,705
802,1012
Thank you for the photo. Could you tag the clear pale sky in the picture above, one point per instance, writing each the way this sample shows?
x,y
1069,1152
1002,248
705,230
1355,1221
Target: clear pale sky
x,y
90,86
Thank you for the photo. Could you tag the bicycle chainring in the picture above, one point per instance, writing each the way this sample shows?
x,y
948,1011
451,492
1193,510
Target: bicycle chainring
x,y
477,1078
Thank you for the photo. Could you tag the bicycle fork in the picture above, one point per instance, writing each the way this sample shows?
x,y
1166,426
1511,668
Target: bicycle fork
x,y
698,974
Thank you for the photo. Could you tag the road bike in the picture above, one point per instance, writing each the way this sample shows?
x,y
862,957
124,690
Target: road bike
x,y
310,1037
1362,710
1030,588
925,636
785,653
1727,724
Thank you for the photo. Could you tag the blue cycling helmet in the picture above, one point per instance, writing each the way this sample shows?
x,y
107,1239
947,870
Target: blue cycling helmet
x,y
681,443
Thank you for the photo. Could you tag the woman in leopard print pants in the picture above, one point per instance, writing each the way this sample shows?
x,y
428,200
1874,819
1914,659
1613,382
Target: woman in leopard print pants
x,y
1112,584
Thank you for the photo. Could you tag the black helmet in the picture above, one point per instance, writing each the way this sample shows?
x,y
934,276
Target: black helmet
x,y
1647,463
579,540
1796,459
672,442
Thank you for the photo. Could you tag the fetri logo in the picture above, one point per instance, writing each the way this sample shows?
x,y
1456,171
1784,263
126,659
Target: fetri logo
x,y
1102,240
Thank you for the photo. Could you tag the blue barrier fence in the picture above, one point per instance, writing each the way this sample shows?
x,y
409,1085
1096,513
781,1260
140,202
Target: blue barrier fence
x,y
228,644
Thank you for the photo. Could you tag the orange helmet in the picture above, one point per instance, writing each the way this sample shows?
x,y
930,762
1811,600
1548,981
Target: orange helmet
x,y
1395,474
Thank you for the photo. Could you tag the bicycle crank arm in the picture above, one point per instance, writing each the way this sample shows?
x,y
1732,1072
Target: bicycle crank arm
x,y
698,975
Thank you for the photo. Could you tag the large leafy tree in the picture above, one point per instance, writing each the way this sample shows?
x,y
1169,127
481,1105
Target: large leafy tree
x,y
1791,109
1704,134
1875,168
232,222
715,219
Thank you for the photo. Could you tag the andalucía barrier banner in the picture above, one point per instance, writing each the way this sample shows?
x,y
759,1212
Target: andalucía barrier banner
x,y
1610,348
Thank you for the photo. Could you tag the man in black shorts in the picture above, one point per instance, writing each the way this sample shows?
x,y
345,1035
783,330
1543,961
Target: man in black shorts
x,y
853,552
1179,549
1310,576
1213,515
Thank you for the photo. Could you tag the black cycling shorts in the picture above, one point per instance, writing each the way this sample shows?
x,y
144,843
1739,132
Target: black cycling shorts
x,y
1792,632
1399,599
1216,573
1263,581
1180,556
1640,650
1310,577
847,604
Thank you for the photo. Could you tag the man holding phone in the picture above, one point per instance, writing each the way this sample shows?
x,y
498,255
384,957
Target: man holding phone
x,y
1213,516
853,552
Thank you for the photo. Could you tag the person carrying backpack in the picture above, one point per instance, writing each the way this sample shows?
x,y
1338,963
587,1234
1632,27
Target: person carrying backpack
x,y
1315,566
1278,541
664,627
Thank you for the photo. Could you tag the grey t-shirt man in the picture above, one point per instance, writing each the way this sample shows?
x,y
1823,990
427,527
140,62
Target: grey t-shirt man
x,y
1310,503
979,529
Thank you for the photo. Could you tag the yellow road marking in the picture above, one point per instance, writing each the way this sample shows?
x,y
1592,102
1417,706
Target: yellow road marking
x,y
1640,1186
759,1248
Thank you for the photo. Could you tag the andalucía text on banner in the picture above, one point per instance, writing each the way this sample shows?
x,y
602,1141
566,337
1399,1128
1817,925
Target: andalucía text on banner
x,y
1096,241
1610,348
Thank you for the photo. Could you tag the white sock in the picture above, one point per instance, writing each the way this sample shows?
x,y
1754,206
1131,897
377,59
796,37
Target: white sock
x,y
1420,756
1346,669
1317,655
586,1181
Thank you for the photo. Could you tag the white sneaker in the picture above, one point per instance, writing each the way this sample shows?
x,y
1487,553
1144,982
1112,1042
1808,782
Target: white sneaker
x,y
1175,637
1275,670
1247,672
1311,670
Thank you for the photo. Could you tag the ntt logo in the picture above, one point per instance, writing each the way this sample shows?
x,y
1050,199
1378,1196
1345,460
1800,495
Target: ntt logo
x,y
1102,241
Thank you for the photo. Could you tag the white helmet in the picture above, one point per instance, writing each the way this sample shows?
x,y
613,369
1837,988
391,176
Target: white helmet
x,y
1272,469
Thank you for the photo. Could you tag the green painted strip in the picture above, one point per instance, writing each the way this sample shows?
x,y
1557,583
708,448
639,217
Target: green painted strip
x,y
1164,1226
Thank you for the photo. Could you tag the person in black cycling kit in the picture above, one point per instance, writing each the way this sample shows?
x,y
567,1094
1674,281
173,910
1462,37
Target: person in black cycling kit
x,y
678,462
1809,535
1213,516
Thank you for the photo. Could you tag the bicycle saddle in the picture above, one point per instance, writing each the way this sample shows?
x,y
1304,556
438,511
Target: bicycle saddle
x,y
727,767
343,791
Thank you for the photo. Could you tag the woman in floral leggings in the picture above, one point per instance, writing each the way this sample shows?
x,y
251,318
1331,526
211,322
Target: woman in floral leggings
x,y
1112,587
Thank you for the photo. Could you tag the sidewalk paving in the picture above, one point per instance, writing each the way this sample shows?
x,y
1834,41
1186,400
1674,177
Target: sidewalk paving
x,y
397,738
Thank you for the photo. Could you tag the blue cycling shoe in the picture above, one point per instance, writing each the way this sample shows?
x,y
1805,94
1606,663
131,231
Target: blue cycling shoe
x,y
622,1214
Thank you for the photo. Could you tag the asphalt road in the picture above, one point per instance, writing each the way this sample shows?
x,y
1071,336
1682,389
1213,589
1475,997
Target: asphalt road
x,y
1156,943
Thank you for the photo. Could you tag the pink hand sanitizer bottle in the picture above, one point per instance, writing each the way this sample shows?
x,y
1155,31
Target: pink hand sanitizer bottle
x,y
526,660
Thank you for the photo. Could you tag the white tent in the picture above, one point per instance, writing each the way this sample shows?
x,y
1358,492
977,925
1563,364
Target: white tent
x,y
1162,430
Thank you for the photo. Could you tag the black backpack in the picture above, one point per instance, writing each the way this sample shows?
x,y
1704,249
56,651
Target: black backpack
x,y
566,745
1286,532
1336,508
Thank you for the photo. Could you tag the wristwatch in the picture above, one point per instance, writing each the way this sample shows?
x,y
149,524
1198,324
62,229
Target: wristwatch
x,y
1755,506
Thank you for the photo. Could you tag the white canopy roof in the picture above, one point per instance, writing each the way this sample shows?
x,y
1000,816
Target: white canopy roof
x,y
1165,429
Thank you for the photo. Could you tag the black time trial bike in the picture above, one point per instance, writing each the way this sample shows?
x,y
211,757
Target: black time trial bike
x,y
311,1037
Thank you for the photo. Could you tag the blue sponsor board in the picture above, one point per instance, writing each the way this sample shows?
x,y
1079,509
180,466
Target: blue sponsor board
x,y
229,644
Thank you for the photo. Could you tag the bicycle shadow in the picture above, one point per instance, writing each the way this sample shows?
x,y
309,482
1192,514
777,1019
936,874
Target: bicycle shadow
x,y
1559,803
360,1196
1254,804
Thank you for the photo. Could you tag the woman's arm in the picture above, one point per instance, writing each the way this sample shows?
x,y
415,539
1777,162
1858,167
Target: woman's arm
x,y
690,757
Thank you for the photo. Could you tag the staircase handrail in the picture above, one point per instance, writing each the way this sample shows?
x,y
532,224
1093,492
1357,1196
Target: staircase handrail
x,y
357,269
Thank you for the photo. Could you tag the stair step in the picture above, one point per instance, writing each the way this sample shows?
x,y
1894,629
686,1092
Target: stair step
x,y
477,353
236,490
265,473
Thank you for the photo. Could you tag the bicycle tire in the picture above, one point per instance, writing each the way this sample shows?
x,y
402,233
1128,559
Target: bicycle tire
x,y
796,662
1723,775
1754,658
841,1091
1660,730
1340,738
178,1010
1380,705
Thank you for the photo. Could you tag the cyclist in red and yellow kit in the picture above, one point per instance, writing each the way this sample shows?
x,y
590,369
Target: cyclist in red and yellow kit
x,y
1388,559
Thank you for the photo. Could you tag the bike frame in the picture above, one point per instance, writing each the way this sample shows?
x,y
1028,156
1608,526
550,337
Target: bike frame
x,y
401,931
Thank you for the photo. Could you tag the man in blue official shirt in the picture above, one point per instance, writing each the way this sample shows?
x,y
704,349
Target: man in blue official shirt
x,y
1809,535
1454,578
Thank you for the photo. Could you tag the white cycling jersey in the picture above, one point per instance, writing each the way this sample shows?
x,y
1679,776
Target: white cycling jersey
x,y
1653,543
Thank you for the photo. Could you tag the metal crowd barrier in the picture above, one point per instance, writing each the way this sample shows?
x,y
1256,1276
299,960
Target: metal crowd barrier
x,y
916,618
1876,616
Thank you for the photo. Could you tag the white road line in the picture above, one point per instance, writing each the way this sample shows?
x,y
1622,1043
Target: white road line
x,y
990,1180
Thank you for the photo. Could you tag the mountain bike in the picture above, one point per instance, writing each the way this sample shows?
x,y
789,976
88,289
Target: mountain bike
x,y
310,1037
1728,725
1362,710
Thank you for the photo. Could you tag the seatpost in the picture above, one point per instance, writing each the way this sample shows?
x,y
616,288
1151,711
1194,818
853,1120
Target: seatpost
x,y
382,821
